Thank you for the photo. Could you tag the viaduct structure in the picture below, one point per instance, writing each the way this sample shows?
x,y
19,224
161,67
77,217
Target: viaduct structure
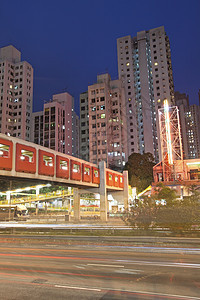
x,y
24,160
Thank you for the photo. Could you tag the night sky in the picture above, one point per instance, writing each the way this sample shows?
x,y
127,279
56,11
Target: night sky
x,y
69,42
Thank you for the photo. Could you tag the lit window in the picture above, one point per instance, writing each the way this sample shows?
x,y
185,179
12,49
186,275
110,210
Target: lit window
x,y
76,168
63,165
87,171
127,64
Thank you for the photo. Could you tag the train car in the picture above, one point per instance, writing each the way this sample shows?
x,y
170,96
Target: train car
x,y
95,175
75,170
109,178
46,163
6,153
62,167
86,173
25,159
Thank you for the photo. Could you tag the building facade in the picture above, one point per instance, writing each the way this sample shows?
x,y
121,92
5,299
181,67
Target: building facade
x,y
57,126
16,94
144,66
190,126
107,122
84,127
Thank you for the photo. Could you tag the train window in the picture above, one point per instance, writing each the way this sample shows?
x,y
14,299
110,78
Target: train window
x,y
96,173
110,177
116,178
63,165
76,168
48,161
121,179
26,155
87,171
4,150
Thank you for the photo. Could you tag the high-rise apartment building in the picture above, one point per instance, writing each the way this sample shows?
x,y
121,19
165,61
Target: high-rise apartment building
x,y
107,122
57,126
190,126
16,94
84,127
144,66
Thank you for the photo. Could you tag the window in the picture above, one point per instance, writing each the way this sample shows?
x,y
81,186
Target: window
x,y
63,165
76,168
48,161
96,173
4,150
87,171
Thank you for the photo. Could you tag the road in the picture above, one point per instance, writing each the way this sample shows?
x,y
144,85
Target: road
x,y
29,270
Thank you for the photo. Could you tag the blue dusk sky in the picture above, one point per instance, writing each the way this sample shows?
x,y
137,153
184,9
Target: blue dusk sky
x,y
69,42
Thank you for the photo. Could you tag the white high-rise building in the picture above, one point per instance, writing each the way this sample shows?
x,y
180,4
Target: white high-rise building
x,y
16,94
144,65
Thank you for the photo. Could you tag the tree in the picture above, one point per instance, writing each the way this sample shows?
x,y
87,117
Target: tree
x,y
140,170
163,192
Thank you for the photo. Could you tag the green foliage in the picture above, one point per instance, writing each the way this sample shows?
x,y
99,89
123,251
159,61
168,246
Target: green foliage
x,y
178,218
177,215
165,193
140,170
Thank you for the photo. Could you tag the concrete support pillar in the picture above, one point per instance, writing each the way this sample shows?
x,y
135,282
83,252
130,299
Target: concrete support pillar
x,y
9,203
36,209
76,204
37,191
8,196
103,192
125,175
45,208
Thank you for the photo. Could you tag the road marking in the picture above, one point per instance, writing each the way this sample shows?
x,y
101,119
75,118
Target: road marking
x,y
128,271
100,265
129,291
77,288
164,264
80,267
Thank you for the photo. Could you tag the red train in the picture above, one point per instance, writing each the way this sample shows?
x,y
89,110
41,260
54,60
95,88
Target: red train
x,y
50,164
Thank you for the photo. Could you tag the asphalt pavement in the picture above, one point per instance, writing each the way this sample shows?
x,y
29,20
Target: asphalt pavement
x,y
31,270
